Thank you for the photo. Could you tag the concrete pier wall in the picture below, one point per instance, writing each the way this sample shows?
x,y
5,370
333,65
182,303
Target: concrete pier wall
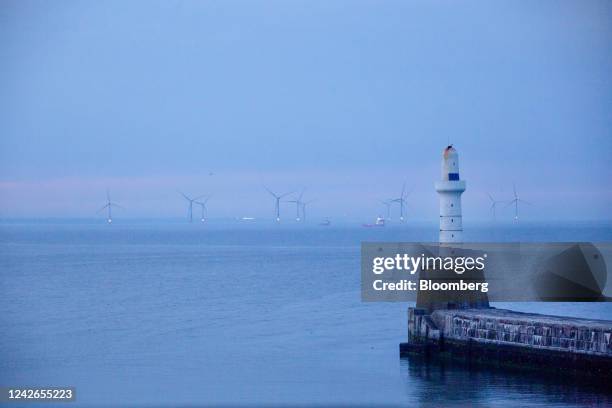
x,y
513,337
504,326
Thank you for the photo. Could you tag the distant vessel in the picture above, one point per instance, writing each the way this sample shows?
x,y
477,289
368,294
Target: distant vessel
x,y
326,223
247,219
380,222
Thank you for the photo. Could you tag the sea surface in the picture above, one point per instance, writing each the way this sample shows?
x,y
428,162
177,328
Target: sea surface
x,y
168,313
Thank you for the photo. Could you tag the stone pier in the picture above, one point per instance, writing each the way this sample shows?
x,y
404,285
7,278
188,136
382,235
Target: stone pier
x,y
505,337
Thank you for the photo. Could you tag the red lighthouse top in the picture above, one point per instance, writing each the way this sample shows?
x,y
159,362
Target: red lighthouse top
x,y
449,149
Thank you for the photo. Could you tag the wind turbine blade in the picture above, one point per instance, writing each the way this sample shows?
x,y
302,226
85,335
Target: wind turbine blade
x,y
286,194
116,205
198,197
524,202
270,191
514,188
491,197
103,208
509,203
107,195
183,194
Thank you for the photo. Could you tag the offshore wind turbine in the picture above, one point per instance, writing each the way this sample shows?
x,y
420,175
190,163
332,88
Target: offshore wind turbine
x,y
202,204
277,199
494,204
516,202
109,206
402,201
388,203
191,201
298,205
304,203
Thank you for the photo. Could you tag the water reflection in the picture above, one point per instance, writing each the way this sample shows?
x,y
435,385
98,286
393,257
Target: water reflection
x,y
439,382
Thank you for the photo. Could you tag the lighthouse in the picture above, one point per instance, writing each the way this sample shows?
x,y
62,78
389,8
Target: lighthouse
x,y
450,187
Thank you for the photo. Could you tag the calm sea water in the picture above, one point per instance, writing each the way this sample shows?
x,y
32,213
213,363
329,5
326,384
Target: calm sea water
x,y
170,314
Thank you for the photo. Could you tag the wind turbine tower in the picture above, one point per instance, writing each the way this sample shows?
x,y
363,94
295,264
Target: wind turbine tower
x,y
450,188
298,204
387,203
494,204
109,207
304,204
202,204
277,199
516,202
191,201
402,200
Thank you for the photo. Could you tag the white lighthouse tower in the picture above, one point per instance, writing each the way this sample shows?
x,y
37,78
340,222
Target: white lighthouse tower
x,y
450,188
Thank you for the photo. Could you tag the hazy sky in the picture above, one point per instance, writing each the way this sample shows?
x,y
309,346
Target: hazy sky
x,y
346,98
